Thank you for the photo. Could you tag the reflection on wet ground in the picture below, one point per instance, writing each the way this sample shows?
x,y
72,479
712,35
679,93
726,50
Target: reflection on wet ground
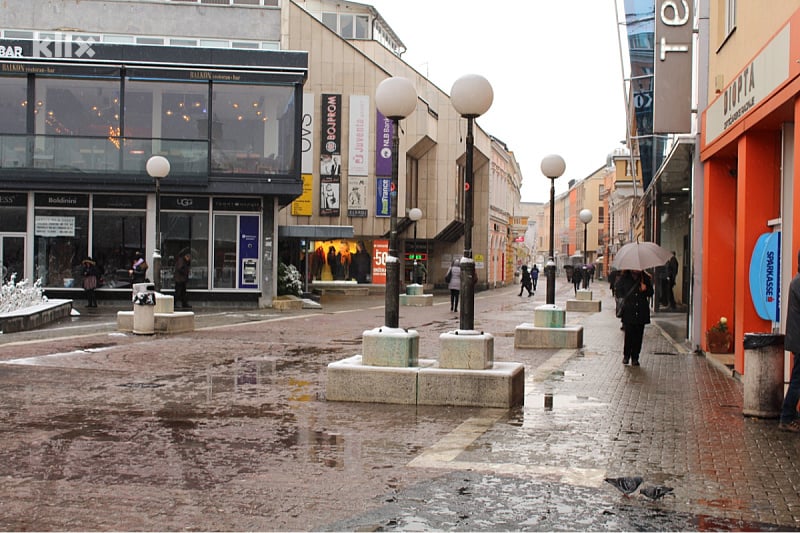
x,y
227,428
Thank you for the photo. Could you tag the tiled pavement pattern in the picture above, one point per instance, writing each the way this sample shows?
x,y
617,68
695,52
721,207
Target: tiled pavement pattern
x,y
227,429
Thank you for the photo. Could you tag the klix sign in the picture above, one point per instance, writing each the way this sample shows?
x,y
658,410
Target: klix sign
x,y
58,47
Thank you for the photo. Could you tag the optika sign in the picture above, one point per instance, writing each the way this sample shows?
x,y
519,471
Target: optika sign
x,y
63,48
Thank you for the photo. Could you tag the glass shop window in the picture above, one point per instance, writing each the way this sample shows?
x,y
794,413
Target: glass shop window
x,y
253,128
13,106
182,232
225,237
86,107
118,232
59,245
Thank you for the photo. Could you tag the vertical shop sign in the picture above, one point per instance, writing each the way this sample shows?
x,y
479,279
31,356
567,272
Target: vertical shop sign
x,y
383,197
356,197
383,146
380,251
330,155
307,135
672,91
358,151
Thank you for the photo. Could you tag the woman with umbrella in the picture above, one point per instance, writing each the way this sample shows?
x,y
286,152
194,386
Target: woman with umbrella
x,y
635,287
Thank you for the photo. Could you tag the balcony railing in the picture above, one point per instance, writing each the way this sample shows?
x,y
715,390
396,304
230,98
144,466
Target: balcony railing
x,y
100,155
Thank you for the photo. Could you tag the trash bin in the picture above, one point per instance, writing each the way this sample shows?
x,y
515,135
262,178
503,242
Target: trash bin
x,y
144,308
763,374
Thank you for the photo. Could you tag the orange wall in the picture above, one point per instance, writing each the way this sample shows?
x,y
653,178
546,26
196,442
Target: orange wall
x,y
719,238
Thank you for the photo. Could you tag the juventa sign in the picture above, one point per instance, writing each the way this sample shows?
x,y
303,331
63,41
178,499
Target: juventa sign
x,y
10,51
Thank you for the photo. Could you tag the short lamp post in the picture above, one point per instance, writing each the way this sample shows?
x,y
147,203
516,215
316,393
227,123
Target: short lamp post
x,y
585,216
553,166
396,98
157,168
415,214
472,96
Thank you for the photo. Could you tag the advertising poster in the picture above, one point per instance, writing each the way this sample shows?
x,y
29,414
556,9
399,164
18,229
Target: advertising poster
x,y
301,206
330,163
380,251
329,196
356,197
383,197
358,160
383,146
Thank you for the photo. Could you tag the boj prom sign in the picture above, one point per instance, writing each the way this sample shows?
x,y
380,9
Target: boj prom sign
x,y
765,276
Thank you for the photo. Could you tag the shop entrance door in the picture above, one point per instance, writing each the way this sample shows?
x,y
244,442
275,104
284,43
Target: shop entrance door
x,y
236,251
12,253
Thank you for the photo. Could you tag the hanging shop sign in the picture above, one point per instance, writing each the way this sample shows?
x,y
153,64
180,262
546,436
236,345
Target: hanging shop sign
x,y
765,276
383,146
672,93
358,149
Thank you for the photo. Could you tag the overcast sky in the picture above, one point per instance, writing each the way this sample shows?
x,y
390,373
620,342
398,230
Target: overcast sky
x,y
554,66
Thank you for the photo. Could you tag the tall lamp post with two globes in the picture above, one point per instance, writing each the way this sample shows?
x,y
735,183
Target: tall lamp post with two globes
x,y
553,166
157,168
472,96
396,98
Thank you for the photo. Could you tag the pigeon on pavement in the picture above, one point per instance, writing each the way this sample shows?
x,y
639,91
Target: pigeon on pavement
x,y
626,485
655,492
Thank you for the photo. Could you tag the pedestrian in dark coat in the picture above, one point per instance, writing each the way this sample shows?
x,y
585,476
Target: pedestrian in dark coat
x,y
90,274
525,282
535,276
791,342
181,277
636,287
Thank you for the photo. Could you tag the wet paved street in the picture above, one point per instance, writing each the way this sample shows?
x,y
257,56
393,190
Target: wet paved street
x,y
227,428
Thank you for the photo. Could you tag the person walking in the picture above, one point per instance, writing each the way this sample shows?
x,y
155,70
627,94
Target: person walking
x,y
672,272
453,279
791,342
181,277
634,287
526,282
577,278
534,275
138,270
90,275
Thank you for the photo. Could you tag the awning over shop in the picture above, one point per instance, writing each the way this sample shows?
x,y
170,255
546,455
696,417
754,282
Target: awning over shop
x,y
318,233
675,174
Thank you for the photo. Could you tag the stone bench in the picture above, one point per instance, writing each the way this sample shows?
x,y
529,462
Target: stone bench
x,y
287,303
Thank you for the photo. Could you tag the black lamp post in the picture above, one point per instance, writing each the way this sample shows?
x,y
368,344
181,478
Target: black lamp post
x,y
415,214
396,98
157,168
553,167
585,216
471,96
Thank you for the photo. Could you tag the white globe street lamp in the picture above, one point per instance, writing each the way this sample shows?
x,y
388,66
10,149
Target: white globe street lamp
x,y
396,98
553,166
157,168
472,96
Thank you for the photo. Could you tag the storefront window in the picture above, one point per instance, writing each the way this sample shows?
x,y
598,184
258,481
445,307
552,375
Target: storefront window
x,y
60,239
253,128
13,105
13,211
77,123
118,232
340,260
225,236
170,118
182,232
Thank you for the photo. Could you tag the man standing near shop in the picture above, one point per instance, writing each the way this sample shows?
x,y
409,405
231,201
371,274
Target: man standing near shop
x,y
181,277
791,342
